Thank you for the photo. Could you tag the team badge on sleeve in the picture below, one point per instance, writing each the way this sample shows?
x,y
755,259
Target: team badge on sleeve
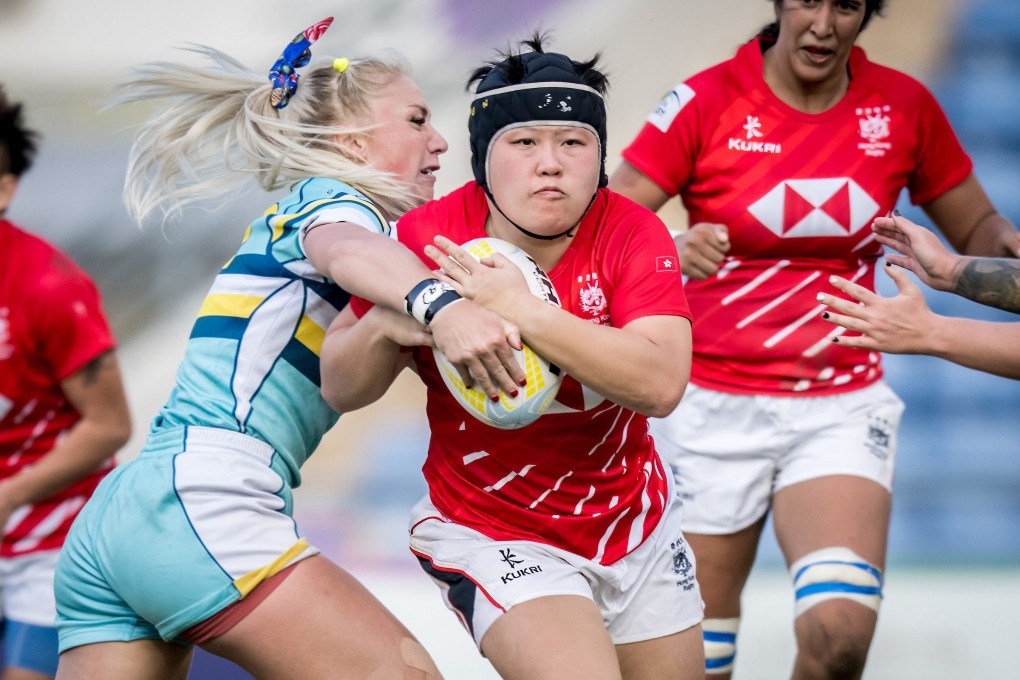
x,y
666,263
674,101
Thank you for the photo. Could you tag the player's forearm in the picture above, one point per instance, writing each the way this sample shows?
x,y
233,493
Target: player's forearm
x,y
991,281
383,273
358,364
982,345
990,236
622,365
83,450
368,265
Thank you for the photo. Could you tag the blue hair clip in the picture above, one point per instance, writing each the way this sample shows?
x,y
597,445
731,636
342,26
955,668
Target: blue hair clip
x,y
296,54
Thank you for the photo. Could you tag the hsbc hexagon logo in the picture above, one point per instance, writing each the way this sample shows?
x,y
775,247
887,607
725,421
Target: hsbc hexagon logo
x,y
815,207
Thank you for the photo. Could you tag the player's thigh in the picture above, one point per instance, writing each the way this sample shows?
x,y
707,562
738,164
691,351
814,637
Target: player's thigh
x,y
833,487
136,660
321,619
724,563
680,656
15,673
552,638
834,511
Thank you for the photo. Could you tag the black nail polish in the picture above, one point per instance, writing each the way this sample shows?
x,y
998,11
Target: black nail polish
x,y
825,315
896,213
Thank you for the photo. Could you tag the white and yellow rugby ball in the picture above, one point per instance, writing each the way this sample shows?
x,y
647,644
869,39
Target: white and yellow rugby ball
x,y
543,378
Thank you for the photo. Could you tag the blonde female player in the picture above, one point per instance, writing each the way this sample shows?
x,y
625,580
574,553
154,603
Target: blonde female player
x,y
193,542
558,544
783,155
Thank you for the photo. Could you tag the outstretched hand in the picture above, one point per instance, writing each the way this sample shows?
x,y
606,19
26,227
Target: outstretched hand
x,y
898,325
919,250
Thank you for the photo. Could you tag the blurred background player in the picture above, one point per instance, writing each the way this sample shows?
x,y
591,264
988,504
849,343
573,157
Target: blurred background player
x,y
782,156
903,324
558,545
63,412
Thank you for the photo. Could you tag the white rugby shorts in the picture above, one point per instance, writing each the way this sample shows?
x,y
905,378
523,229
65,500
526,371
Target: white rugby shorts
x,y
730,453
652,592
26,588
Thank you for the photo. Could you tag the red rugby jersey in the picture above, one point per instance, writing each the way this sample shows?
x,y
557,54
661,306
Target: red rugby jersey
x,y
51,325
585,476
798,193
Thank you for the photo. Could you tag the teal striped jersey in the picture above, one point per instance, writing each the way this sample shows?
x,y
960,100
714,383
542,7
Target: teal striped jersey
x,y
252,360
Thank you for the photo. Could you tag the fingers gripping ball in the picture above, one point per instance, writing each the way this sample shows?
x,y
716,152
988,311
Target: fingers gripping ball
x,y
543,378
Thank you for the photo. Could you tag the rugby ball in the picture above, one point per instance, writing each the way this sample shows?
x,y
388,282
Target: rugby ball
x,y
543,378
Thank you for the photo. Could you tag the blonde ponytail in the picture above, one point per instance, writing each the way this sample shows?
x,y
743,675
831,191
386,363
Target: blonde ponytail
x,y
217,126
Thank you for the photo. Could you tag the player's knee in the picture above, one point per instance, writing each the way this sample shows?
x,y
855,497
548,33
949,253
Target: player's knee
x,y
720,637
835,573
836,637
418,660
836,648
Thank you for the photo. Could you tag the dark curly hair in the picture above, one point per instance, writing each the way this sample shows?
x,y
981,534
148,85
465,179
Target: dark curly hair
x,y
17,143
871,8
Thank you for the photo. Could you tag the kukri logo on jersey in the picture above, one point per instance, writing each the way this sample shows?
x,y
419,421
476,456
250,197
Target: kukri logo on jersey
x,y
750,142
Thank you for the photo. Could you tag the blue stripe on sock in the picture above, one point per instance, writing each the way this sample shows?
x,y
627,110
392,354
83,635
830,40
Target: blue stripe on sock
x,y
836,587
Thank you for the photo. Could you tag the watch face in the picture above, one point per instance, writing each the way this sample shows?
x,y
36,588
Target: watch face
x,y
432,292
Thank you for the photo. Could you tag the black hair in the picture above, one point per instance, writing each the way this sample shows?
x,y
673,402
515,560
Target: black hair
x,y
17,143
871,7
511,65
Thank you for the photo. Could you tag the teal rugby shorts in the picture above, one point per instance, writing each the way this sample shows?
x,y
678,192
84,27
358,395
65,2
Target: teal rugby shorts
x,y
192,525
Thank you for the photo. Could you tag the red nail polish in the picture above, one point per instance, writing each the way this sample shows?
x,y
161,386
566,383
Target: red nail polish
x,y
514,393
523,382
495,399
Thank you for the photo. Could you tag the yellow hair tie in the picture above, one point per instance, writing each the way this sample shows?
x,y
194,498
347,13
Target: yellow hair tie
x,y
340,65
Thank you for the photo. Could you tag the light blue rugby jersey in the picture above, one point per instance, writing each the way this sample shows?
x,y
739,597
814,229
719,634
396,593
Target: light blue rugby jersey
x,y
252,360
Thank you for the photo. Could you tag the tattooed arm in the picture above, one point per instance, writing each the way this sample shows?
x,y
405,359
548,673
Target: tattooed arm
x,y
96,391
992,281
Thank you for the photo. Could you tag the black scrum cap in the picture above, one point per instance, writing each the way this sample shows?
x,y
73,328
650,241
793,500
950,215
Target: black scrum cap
x,y
547,90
